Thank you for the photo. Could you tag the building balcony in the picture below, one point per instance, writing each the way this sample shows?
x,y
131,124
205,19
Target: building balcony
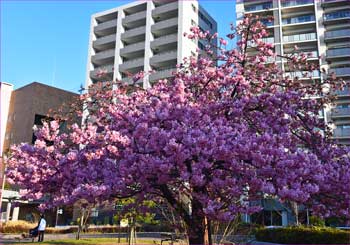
x,y
300,37
303,74
134,35
165,27
337,16
106,28
334,3
162,74
164,40
338,53
343,93
131,64
340,112
299,20
132,48
341,133
101,58
295,3
337,35
134,17
258,7
103,72
162,9
341,71
163,57
106,42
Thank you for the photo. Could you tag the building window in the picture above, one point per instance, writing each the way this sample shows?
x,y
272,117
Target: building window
x,y
201,46
205,19
194,8
193,23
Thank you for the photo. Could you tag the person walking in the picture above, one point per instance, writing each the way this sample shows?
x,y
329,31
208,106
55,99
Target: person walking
x,y
41,228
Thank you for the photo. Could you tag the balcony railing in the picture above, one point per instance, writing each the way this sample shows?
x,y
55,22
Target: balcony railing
x,y
105,39
340,112
101,71
337,15
303,74
267,22
107,24
162,74
291,3
338,52
299,19
167,37
133,61
341,71
300,37
342,132
344,92
258,7
337,33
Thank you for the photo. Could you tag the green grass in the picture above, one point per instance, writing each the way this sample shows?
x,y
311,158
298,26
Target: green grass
x,y
83,241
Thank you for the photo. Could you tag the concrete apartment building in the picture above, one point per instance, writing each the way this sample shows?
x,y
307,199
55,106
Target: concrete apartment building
x,y
321,27
144,36
21,109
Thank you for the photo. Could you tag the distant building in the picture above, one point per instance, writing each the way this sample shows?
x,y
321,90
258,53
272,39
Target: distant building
x,y
21,109
144,36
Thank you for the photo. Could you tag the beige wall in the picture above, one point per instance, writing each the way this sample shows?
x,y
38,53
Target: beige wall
x,y
35,98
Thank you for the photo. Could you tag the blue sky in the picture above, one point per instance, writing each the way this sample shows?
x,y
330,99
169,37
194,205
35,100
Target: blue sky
x,y
47,41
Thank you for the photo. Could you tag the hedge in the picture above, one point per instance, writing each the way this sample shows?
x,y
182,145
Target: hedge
x,y
303,235
23,227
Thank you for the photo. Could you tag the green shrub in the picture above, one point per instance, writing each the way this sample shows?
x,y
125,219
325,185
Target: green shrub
x,y
316,221
303,235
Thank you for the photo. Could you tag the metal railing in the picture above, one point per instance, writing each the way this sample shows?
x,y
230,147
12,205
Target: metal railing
x,y
338,52
337,33
291,3
300,37
337,15
258,7
299,19
342,132
303,74
341,71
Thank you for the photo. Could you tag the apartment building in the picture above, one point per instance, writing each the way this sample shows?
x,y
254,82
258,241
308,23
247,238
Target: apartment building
x,y
320,27
143,36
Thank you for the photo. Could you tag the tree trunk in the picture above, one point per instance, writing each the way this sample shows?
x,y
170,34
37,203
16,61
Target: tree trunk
x,y
196,229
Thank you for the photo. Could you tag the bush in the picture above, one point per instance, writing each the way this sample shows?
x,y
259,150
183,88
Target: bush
x,y
303,235
316,221
19,226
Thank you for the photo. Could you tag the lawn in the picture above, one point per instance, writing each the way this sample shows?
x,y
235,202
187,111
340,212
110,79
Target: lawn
x,y
83,241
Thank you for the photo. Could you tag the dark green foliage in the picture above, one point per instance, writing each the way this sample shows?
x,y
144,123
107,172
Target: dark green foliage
x,y
303,235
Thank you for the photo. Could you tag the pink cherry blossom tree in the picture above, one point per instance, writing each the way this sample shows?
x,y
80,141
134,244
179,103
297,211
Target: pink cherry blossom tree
x,y
207,142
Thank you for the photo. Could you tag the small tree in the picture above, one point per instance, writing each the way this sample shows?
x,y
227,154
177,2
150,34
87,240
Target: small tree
x,y
208,142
